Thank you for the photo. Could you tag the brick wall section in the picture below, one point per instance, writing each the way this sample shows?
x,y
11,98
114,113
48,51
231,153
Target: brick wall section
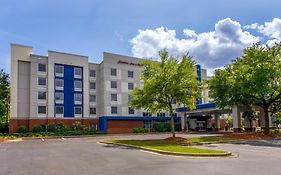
x,y
29,123
123,126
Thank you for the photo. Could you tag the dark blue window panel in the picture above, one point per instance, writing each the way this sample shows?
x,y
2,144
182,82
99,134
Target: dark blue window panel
x,y
198,71
69,90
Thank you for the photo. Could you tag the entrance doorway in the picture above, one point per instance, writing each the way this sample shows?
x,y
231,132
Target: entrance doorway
x,y
201,125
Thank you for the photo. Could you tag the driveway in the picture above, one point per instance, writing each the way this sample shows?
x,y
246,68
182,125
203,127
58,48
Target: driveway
x,y
81,156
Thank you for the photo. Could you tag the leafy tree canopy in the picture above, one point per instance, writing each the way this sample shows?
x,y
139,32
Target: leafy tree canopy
x,y
167,81
4,97
252,79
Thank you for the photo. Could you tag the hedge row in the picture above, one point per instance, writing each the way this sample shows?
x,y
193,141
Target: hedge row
x,y
46,134
53,128
158,127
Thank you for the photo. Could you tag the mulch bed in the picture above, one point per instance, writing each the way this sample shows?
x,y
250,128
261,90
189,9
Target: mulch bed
x,y
176,139
252,136
244,136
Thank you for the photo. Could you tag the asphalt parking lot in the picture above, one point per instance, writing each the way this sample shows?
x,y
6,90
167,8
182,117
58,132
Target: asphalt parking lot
x,y
81,156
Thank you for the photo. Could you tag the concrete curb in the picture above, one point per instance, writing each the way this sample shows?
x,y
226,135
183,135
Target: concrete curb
x,y
171,153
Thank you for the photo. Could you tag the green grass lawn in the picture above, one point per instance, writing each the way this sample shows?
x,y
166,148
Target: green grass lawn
x,y
165,145
211,139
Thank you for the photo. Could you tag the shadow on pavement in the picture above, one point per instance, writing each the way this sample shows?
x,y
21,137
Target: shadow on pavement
x,y
117,146
264,142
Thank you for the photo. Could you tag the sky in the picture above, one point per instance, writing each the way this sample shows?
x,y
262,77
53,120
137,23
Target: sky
x,y
214,32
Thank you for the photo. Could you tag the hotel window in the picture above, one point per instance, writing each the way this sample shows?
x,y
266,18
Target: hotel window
x,y
77,72
59,110
42,95
113,97
92,98
113,72
130,74
42,81
42,67
130,86
78,98
161,114
59,70
42,110
113,110
59,97
78,110
92,73
146,114
78,85
131,110
92,85
113,84
59,84
129,97
93,111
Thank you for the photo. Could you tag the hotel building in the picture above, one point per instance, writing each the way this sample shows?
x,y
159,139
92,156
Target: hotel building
x,y
64,88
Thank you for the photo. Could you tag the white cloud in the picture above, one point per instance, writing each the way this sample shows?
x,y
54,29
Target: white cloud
x,y
210,49
272,30
251,26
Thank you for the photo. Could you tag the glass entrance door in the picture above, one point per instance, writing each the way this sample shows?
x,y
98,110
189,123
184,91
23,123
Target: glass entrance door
x,y
201,125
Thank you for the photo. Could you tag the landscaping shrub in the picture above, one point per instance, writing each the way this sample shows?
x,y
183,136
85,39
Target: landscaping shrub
x,y
46,134
167,127
178,126
140,130
52,128
62,127
78,126
162,127
274,131
22,129
4,128
37,128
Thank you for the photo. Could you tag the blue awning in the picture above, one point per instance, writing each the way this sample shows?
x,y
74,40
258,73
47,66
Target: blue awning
x,y
200,106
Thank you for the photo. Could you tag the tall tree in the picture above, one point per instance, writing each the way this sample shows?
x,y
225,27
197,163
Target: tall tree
x,y
4,97
252,79
169,80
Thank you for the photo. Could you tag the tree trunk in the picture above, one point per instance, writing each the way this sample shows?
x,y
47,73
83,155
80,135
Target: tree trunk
x,y
266,120
172,123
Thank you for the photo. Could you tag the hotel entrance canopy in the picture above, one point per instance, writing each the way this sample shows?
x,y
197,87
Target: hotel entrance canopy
x,y
204,109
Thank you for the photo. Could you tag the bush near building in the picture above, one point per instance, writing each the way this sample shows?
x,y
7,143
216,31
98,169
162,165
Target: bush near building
x,y
165,127
140,130
62,127
37,128
162,127
22,129
78,126
52,128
